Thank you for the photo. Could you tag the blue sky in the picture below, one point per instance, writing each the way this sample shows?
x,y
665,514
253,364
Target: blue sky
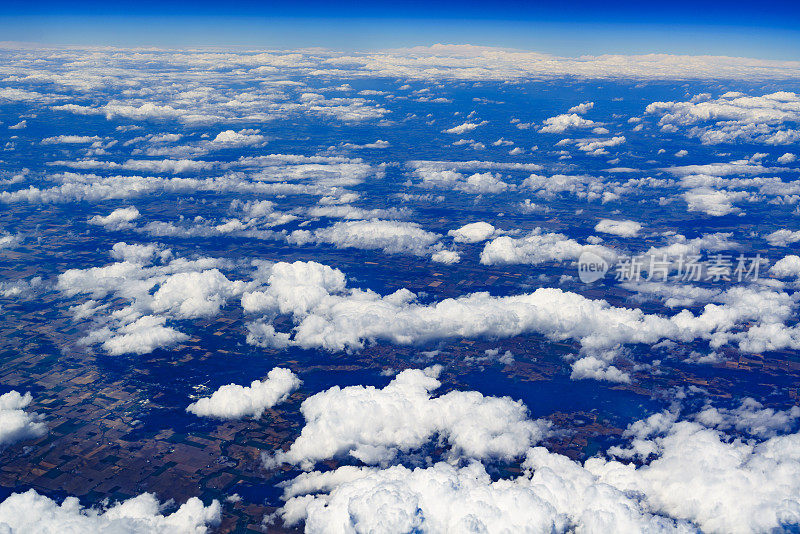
x,y
769,29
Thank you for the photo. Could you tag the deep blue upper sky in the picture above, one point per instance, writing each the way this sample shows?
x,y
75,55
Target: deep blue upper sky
x,y
769,29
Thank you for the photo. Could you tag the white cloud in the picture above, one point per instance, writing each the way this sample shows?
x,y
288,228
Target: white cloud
x,y
787,158
538,247
233,139
783,237
118,219
392,237
688,478
483,182
235,402
555,498
734,117
140,336
71,140
9,240
714,202
472,232
594,368
328,315
624,228
446,256
680,245
15,423
175,289
584,187
29,513
597,147
374,425
751,417
461,129
561,123
787,267
581,108
719,484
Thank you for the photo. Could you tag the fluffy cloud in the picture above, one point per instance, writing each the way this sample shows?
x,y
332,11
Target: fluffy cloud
x,y
472,232
15,423
374,425
751,417
234,402
461,129
483,182
585,187
688,478
561,123
538,247
597,147
9,240
326,314
71,139
714,203
274,174
594,368
392,237
171,289
624,228
118,219
721,485
734,117
29,513
556,498
787,267
680,245
446,256
783,237
233,139
581,108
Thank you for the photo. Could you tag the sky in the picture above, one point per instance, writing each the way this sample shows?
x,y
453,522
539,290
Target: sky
x,y
769,30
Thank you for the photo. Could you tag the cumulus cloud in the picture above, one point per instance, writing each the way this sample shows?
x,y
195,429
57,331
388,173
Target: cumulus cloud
x,y
172,289
688,478
719,484
581,108
787,267
326,314
561,123
538,247
594,368
584,187
461,129
374,425
783,237
462,175
71,140
8,240
274,174
234,402
555,498
751,417
118,219
626,228
392,237
15,423
472,232
30,512
769,119
713,202
446,256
